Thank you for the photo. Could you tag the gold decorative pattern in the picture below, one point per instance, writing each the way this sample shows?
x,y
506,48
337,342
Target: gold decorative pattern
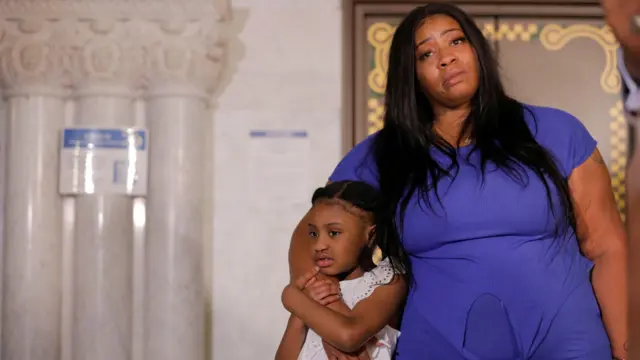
x,y
376,111
512,33
619,143
555,37
379,36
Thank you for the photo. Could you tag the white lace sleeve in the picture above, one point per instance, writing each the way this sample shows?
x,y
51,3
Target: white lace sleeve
x,y
380,275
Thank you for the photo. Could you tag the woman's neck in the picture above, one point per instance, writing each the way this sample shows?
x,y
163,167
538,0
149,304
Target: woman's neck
x,y
448,124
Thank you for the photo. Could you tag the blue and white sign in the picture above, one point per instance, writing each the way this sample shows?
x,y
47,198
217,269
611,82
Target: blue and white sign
x,y
104,161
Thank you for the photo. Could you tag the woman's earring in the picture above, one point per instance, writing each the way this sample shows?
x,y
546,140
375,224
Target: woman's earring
x,y
377,256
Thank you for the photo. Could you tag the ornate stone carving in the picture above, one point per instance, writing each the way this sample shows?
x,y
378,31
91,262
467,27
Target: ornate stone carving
x,y
106,56
111,45
210,10
186,57
30,58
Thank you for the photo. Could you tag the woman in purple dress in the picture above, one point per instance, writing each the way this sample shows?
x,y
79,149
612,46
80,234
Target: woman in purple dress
x,y
505,210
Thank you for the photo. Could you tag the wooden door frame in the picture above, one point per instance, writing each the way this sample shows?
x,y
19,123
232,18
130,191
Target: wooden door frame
x,y
355,12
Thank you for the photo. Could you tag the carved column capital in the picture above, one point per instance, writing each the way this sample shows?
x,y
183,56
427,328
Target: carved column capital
x,y
105,56
112,46
213,10
184,59
31,60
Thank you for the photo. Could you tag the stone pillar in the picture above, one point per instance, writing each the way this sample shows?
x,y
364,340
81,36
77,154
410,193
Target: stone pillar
x,y
32,77
183,70
106,76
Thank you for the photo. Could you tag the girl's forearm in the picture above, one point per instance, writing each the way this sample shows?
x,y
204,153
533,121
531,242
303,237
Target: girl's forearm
x,y
340,306
336,328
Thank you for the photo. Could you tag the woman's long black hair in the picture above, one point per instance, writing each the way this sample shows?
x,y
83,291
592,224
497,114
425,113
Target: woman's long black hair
x,y
366,198
403,148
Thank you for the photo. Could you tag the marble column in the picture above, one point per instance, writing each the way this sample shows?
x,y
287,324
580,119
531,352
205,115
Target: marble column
x,y
182,76
32,238
174,273
32,269
103,248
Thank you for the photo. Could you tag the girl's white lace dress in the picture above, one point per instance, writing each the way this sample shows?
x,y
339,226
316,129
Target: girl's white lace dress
x,y
352,292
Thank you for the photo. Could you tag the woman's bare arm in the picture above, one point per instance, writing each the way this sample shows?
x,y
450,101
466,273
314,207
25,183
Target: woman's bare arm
x,y
633,234
603,241
292,340
300,259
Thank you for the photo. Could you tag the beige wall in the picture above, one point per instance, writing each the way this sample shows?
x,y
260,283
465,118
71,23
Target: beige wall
x,y
285,72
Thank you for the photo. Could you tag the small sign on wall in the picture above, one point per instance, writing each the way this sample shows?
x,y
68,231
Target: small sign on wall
x,y
104,161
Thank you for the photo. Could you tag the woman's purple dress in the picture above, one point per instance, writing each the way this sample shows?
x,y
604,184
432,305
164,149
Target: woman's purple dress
x,y
492,280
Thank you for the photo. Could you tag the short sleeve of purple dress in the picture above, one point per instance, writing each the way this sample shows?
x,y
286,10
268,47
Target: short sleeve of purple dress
x,y
493,280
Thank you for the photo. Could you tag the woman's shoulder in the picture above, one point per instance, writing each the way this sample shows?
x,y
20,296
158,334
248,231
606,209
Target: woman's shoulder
x,y
562,133
546,121
364,147
358,164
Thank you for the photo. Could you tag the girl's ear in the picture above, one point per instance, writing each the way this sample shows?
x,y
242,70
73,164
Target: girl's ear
x,y
371,231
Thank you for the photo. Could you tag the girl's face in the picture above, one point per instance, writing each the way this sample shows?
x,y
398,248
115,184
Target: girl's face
x,y
338,234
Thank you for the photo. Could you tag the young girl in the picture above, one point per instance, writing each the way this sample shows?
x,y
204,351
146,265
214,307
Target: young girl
x,y
342,226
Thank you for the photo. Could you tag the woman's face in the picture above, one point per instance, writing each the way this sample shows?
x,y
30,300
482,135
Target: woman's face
x,y
446,63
